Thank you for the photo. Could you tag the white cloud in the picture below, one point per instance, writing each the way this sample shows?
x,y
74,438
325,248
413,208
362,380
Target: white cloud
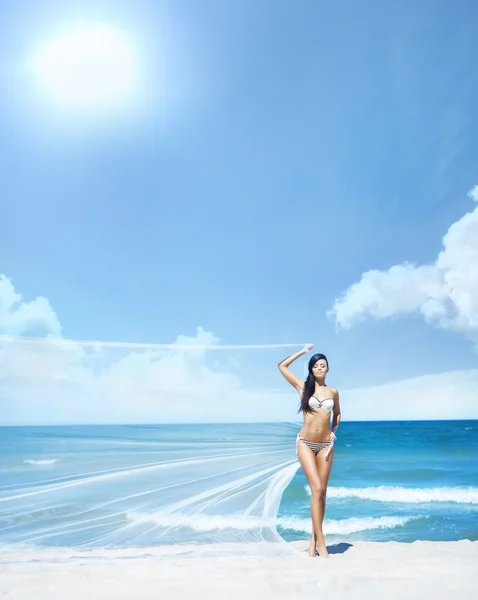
x,y
445,292
473,193
35,318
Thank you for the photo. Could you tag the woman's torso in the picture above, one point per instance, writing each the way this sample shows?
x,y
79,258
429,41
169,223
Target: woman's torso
x,y
316,427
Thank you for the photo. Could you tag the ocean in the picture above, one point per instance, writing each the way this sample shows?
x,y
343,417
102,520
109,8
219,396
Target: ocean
x,y
139,486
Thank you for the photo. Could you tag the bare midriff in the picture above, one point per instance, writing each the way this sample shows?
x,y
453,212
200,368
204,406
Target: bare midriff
x,y
316,427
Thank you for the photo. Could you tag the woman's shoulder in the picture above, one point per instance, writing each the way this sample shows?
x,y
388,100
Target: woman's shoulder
x,y
333,390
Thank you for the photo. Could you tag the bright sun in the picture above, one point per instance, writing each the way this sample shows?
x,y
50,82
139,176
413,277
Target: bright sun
x,y
88,69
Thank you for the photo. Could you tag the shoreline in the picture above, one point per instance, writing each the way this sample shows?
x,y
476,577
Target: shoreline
x,y
365,569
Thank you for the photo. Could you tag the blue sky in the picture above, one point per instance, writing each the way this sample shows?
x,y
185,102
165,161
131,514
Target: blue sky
x,y
282,151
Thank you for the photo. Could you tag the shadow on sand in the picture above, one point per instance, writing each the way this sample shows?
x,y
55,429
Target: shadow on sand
x,y
339,548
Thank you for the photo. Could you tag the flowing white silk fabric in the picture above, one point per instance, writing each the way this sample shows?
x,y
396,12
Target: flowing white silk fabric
x,y
109,487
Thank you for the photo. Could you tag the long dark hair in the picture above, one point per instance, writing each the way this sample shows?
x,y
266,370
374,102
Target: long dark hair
x,y
309,387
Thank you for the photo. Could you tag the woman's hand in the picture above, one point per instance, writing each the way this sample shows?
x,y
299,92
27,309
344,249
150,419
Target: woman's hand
x,y
333,437
307,348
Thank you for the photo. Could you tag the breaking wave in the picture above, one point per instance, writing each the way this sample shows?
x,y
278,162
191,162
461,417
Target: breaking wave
x,y
462,495
203,523
45,461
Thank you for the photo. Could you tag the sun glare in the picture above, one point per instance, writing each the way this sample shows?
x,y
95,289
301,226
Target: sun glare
x,y
88,69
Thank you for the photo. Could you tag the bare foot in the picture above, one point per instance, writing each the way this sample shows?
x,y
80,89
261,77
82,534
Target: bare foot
x,y
323,551
312,551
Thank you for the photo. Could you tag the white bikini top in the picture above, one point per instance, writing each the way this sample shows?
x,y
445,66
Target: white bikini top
x,y
325,404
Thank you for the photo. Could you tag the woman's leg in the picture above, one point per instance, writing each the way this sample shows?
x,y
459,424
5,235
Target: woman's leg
x,y
323,467
308,462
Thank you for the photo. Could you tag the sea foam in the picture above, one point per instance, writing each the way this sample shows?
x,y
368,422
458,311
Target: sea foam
x,y
247,523
462,495
45,461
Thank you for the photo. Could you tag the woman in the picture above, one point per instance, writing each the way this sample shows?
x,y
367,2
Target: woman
x,y
316,438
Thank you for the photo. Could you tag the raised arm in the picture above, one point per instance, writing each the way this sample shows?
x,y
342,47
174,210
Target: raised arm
x,y
284,368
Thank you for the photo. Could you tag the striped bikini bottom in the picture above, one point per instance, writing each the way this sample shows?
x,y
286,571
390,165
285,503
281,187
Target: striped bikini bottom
x,y
316,447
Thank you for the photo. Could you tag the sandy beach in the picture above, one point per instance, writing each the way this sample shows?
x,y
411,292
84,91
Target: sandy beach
x,y
360,570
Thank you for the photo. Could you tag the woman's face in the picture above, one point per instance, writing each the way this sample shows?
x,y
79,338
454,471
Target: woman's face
x,y
320,369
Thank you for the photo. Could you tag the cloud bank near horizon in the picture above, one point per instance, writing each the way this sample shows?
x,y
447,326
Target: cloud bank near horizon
x,y
52,383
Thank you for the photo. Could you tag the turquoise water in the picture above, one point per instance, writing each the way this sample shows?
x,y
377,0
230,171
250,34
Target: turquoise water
x,y
417,480
127,486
